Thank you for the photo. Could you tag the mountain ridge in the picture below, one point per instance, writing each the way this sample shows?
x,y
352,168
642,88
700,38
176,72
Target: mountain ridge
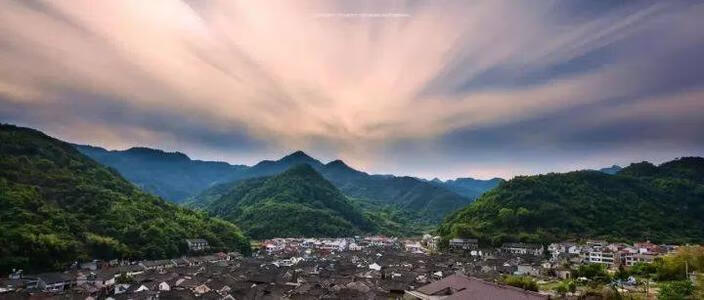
x,y
183,179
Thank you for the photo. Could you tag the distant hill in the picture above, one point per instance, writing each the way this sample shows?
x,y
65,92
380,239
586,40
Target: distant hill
x,y
611,170
58,206
173,176
431,202
298,202
641,202
468,187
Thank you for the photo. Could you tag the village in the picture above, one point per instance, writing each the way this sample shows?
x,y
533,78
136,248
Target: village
x,y
373,267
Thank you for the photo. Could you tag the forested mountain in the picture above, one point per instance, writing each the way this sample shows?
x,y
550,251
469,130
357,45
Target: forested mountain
x,y
642,202
429,201
273,167
173,176
58,206
297,202
468,187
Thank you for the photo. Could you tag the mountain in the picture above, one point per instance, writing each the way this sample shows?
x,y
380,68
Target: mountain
x,y
611,170
58,206
641,202
427,201
176,177
173,176
418,197
468,187
297,202
270,167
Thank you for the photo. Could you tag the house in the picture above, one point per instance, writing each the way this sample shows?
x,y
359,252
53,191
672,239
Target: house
x,y
522,249
121,288
524,269
563,273
16,274
129,270
631,259
557,249
456,286
603,256
201,289
54,282
157,264
575,250
414,247
464,244
354,247
197,244
375,267
596,243
647,247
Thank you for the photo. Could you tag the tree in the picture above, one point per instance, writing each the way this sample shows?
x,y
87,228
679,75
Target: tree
x,y
524,282
596,272
676,290
565,286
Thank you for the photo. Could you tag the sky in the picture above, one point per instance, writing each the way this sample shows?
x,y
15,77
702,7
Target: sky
x,y
425,88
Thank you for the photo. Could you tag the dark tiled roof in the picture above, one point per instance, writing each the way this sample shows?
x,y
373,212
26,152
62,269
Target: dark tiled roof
x,y
522,245
462,287
50,278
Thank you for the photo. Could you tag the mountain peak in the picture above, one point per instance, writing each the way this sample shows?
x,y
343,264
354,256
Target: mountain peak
x,y
297,156
337,163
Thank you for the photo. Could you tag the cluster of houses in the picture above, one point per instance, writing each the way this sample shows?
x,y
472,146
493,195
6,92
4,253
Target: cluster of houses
x,y
322,246
560,259
340,268
111,277
380,269
610,254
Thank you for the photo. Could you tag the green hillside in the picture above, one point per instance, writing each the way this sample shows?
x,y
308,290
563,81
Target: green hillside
x,y
58,206
426,201
298,202
661,203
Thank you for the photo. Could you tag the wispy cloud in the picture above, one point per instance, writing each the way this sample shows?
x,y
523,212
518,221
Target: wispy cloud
x,y
239,80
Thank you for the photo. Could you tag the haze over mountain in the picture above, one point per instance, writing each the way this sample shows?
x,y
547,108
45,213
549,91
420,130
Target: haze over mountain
x,y
175,177
664,204
611,170
468,187
58,206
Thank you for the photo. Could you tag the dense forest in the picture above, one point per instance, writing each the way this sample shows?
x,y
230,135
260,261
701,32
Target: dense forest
x,y
298,202
641,202
58,206
302,203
